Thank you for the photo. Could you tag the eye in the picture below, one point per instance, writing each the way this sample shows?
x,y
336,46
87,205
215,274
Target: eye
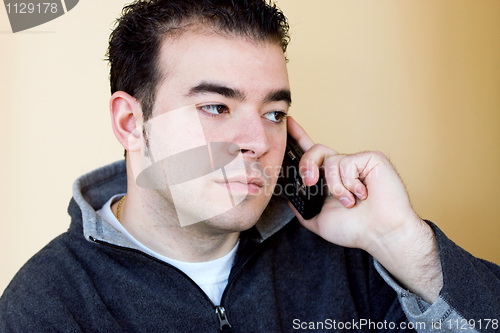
x,y
214,109
276,116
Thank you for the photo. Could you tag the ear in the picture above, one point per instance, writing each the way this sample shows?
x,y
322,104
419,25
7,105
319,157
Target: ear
x,y
126,120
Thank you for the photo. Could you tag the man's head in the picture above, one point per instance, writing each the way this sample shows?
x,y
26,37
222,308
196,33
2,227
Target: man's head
x,y
217,75
135,43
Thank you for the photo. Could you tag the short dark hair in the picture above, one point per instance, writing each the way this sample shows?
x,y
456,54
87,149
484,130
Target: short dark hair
x,y
135,43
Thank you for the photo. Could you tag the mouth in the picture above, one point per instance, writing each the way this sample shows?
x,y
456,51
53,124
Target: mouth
x,y
243,185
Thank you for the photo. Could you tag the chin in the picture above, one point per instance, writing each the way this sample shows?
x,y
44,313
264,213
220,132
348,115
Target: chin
x,y
242,217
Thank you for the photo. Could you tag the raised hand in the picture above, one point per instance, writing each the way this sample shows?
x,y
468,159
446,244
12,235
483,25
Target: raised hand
x,y
368,208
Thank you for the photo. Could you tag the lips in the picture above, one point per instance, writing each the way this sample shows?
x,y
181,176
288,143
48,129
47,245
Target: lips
x,y
245,185
245,180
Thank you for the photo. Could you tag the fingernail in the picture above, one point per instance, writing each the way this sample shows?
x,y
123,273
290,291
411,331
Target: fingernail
x,y
360,196
307,176
346,202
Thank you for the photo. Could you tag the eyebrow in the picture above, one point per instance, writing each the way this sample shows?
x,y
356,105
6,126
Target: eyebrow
x,y
211,87
279,95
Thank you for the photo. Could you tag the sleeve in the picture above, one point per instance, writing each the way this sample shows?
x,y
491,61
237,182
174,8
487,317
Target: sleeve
x,y
469,300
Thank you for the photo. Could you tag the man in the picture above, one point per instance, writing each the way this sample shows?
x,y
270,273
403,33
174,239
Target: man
x,y
199,243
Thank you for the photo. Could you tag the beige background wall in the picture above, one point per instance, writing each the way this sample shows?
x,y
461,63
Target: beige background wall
x,y
419,80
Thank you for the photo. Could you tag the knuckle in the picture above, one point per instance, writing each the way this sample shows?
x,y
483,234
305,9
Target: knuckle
x,y
325,150
331,166
318,146
379,155
348,167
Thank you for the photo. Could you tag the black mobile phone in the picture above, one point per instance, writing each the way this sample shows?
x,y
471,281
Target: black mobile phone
x,y
308,200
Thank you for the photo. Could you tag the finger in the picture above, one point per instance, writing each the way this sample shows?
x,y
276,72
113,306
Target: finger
x,y
336,186
299,134
351,169
311,161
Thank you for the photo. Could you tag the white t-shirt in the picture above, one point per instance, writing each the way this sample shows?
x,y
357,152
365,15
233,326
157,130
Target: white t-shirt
x,y
211,276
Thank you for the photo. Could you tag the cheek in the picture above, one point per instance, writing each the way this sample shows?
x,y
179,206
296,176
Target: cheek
x,y
275,159
279,153
279,148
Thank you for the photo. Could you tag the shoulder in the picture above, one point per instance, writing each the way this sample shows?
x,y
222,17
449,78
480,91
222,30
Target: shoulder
x,y
35,289
46,287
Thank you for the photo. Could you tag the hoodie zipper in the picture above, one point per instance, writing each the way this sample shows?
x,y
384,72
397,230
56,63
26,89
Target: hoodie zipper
x,y
225,327
220,310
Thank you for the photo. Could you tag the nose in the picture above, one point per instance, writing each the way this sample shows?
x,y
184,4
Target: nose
x,y
251,136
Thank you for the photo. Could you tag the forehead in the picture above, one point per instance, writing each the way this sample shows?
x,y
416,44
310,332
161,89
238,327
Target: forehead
x,y
242,63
